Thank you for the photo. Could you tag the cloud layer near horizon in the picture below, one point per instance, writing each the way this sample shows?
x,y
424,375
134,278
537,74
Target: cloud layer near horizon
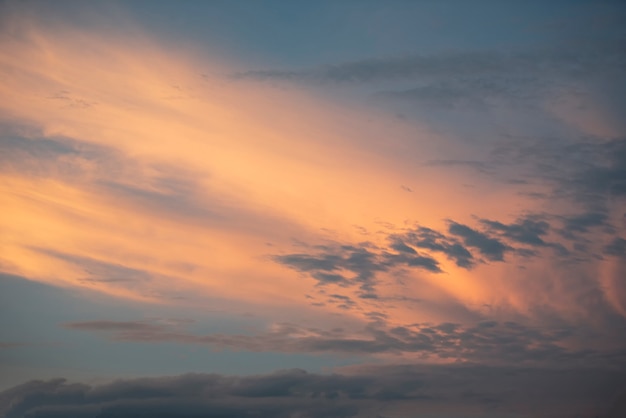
x,y
374,392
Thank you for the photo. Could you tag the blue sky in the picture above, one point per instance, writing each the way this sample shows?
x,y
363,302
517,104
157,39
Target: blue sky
x,y
281,209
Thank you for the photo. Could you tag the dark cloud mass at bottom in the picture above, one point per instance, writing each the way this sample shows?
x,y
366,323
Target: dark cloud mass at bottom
x,y
378,391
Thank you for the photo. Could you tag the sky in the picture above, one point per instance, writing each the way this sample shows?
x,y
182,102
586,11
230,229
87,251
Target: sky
x,y
313,209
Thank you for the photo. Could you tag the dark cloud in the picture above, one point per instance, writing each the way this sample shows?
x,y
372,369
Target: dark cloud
x,y
342,301
429,239
617,247
305,263
587,171
531,231
583,222
569,249
327,278
369,392
490,247
356,265
525,231
606,175
586,174
362,265
189,395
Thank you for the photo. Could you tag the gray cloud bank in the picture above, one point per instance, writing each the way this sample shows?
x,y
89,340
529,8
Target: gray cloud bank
x,y
380,391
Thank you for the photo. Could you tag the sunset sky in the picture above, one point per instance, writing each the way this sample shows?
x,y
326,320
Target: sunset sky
x,y
241,208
